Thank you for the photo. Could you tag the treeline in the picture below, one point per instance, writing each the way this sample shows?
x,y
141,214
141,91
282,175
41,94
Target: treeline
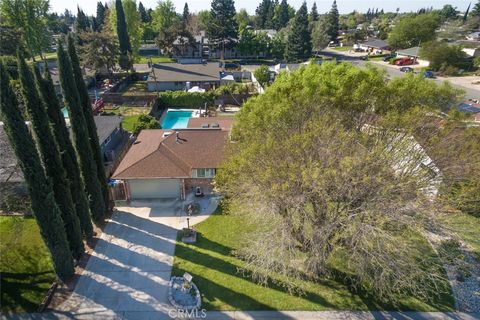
x,y
66,178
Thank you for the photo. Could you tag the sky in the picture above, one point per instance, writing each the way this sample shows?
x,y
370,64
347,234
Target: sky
x,y
344,6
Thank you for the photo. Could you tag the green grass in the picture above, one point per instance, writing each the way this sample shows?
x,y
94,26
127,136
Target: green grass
x,y
155,59
25,265
48,56
467,227
214,269
344,48
130,115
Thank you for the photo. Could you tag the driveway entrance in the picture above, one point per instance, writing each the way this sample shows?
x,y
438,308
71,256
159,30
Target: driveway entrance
x,y
128,273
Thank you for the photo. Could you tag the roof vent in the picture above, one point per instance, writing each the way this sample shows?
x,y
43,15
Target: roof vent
x,y
215,125
137,142
205,125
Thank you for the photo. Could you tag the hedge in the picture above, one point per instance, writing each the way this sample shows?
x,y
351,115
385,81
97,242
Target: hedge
x,y
182,99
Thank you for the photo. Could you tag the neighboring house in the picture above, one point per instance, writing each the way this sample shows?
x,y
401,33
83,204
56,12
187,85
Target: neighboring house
x,y
224,123
171,163
289,67
472,52
111,137
413,53
374,44
182,76
149,50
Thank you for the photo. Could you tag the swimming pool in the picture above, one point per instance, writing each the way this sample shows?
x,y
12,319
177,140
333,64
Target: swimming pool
x,y
176,119
65,112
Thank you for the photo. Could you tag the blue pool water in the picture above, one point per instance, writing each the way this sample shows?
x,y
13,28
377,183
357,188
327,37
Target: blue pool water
x,y
65,112
176,119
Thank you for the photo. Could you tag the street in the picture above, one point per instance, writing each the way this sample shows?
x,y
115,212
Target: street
x,y
392,72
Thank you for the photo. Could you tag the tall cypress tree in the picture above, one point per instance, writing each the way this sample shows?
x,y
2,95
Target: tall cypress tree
x,y
82,23
333,22
314,13
283,15
143,13
68,155
123,38
80,135
51,157
44,207
89,121
100,15
299,44
185,15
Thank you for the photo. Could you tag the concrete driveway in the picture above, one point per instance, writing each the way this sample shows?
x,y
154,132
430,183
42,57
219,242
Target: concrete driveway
x,y
128,273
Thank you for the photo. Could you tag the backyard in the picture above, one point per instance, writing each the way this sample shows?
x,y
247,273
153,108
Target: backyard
x,y
130,115
25,266
154,59
214,267
136,88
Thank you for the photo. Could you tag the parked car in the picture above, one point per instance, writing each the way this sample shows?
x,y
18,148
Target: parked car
x,y
406,69
364,58
388,57
404,61
232,65
428,74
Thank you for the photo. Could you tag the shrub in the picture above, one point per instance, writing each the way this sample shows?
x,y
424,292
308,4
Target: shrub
x,y
145,122
449,70
233,88
182,99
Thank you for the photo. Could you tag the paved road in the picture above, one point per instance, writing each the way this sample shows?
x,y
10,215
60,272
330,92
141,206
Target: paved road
x,y
394,72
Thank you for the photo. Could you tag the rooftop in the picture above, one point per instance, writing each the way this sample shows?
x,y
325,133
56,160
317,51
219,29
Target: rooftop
x,y
106,125
376,43
168,72
411,52
224,123
162,154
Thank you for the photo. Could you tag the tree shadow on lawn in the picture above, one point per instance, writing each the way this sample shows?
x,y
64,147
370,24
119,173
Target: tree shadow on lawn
x,y
23,291
339,283
211,290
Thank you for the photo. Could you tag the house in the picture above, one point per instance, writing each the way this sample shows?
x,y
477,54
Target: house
x,y
182,76
413,53
374,44
171,163
111,137
472,52
225,123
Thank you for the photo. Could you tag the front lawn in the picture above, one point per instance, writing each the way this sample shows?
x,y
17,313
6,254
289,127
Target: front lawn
x,y
26,270
214,269
344,48
154,59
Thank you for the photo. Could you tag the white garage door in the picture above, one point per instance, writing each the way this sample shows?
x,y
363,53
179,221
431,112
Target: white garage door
x,y
154,188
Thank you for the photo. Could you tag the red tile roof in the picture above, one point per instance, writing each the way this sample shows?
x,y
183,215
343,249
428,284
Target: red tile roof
x,y
154,155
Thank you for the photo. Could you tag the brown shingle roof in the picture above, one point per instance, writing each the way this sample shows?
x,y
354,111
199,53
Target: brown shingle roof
x,y
225,123
156,156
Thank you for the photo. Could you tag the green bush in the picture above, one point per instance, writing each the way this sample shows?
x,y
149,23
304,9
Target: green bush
x,y
233,88
182,99
145,122
449,70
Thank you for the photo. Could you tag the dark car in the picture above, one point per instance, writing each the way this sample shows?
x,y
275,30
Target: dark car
x,y
232,65
428,74
390,56
406,69
364,58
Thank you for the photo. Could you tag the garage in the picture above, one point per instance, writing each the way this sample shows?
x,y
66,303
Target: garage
x,y
154,188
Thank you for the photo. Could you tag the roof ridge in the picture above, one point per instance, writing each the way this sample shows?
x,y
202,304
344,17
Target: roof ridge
x,y
138,161
170,151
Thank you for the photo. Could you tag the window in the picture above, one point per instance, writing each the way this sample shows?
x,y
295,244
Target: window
x,y
204,173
